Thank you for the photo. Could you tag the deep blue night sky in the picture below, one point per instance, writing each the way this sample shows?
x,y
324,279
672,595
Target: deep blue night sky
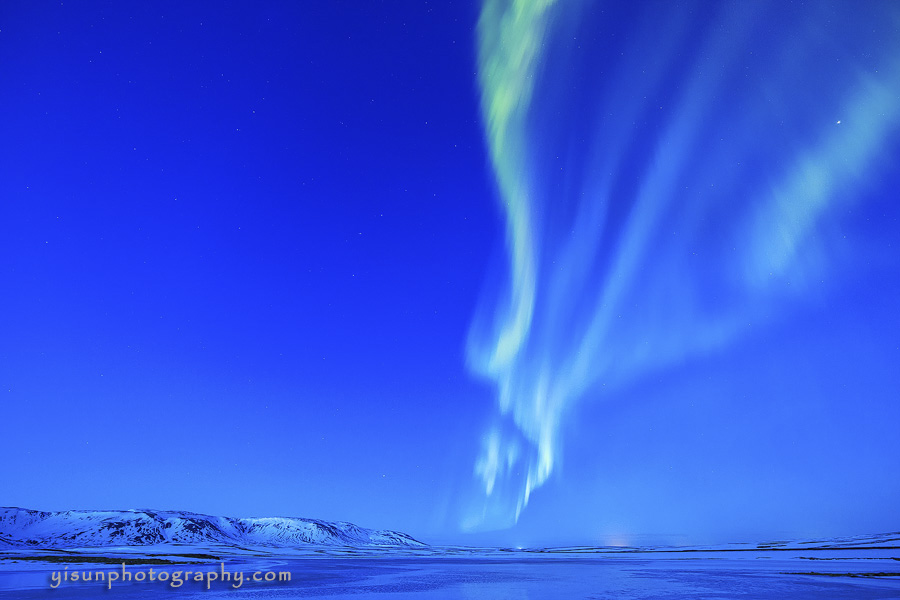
x,y
247,249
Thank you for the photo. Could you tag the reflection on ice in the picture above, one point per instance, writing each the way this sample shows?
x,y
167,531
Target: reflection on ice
x,y
866,568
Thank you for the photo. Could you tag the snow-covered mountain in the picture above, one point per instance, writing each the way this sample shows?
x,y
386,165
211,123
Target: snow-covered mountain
x,y
21,527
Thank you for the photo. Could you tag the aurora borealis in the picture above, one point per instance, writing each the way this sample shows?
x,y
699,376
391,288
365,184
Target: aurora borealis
x,y
671,176
489,273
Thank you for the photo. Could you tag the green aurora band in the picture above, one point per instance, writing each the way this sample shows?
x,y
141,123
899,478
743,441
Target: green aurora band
x,y
600,289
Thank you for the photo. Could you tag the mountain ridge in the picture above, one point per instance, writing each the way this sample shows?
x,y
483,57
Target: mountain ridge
x,y
22,527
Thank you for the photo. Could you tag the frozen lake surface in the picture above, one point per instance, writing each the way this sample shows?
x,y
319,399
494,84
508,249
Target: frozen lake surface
x,y
514,575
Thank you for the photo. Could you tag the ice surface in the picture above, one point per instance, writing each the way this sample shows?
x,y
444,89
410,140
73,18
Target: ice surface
x,y
838,572
340,560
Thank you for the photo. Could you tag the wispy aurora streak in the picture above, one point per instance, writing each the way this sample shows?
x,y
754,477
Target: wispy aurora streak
x,y
671,175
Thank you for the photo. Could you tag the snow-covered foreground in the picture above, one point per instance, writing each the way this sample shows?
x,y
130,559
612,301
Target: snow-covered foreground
x,y
860,573
142,554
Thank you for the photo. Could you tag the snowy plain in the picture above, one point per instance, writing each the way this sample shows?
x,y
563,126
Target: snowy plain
x,y
474,574
40,551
